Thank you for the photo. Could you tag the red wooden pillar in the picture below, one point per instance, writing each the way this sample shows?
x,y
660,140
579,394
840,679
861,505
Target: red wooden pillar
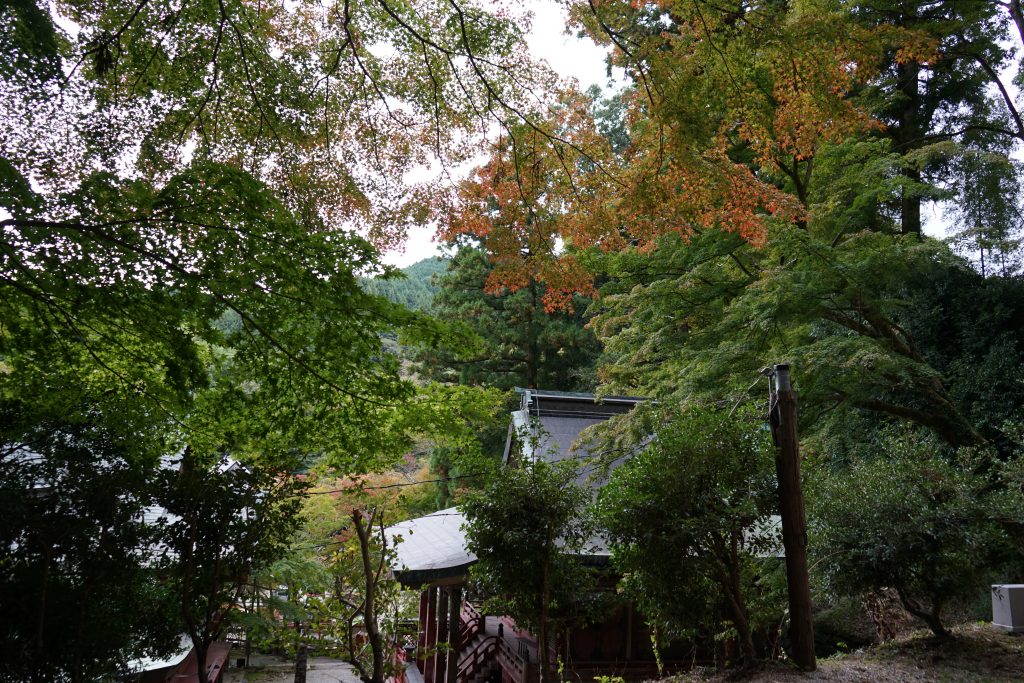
x,y
454,625
441,631
421,630
431,635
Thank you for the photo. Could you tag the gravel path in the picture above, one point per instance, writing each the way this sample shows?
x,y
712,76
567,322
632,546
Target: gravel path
x,y
979,653
276,670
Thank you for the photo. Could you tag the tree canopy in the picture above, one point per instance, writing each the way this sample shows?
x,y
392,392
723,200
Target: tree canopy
x,y
687,518
767,204
526,530
187,193
193,196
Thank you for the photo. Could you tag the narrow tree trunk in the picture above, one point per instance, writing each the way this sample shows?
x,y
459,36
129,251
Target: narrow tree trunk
x,y
543,666
77,673
369,606
350,629
532,345
930,617
41,611
740,615
728,579
451,670
441,659
248,640
1017,15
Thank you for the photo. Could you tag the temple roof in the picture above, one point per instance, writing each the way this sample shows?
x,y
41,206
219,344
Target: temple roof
x,y
548,425
430,548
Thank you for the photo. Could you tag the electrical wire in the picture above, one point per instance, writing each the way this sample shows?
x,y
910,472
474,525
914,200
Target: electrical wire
x,y
324,544
396,486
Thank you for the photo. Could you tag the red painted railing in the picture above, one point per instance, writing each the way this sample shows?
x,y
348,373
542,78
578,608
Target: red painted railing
x,y
471,623
515,665
399,664
473,662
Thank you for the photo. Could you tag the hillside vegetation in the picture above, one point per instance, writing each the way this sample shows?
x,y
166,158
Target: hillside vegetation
x,y
416,290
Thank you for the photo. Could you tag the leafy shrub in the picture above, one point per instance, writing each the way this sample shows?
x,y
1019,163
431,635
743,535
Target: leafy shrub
x,y
688,518
910,519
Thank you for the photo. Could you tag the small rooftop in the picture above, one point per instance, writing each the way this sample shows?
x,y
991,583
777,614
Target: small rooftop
x,y
430,548
548,425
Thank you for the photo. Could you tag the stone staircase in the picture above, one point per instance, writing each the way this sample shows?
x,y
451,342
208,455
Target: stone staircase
x,y
477,655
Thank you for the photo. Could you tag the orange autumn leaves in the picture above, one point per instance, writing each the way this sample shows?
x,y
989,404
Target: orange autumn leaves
x,y
519,204
538,201
725,119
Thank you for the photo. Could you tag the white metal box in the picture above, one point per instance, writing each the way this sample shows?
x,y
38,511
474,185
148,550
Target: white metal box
x,y
1008,606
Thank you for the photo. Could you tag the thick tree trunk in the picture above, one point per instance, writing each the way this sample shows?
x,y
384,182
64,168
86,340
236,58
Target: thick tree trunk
x,y
908,136
300,664
201,650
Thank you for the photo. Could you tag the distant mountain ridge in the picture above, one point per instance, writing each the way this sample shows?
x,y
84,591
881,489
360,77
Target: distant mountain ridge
x,y
416,290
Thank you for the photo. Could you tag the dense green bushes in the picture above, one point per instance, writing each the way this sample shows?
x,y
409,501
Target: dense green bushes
x,y
909,519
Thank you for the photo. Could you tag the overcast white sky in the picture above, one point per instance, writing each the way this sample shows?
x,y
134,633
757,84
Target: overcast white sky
x,y
569,56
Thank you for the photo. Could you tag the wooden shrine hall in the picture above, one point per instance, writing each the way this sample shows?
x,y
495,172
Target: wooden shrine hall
x,y
457,644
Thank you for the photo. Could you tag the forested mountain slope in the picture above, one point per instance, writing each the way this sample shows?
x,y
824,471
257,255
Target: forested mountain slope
x,y
416,290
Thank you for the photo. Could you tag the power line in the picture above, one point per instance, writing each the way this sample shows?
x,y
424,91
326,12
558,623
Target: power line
x,y
324,544
396,486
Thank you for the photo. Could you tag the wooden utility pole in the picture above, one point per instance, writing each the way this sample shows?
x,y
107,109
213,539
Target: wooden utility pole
x,y
782,417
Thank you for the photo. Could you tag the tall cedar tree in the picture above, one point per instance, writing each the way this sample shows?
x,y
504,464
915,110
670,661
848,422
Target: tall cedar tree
x,y
948,106
523,344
